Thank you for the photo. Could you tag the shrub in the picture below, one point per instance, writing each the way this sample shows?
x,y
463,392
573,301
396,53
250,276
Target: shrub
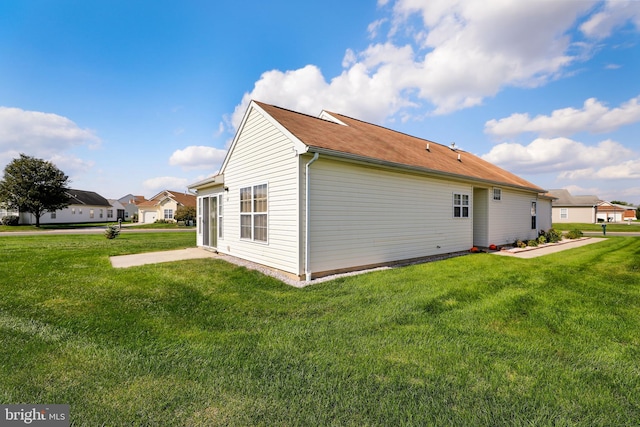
x,y
553,235
519,244
532,243
112,232
10,220
574,234
542,240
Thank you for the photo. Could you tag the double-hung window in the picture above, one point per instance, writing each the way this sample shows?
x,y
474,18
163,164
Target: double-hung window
x,y
497,194
253,213
460,205
168,214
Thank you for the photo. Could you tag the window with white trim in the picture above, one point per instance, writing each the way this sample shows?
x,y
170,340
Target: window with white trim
x,y
460,205
253,213
91,213
168,214
564,213
497,194
109,213
53,215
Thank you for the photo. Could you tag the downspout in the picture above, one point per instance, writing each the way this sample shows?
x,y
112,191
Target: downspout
x,y
307,225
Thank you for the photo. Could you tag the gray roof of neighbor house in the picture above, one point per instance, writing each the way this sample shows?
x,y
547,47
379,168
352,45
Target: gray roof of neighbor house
x,y
364,141
564,198
89,198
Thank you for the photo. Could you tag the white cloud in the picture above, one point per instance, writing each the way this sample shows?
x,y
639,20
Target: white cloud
x,y
614,14
569,158
593,117
198,157
454,55
155,185
40,134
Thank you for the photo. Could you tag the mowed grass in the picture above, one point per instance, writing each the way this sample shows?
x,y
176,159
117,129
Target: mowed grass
x,y
474,340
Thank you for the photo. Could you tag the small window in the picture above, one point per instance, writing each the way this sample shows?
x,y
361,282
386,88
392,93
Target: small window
x,y
168,214
564,213
53,215
497,194
91,213
73,211
109,213
461,206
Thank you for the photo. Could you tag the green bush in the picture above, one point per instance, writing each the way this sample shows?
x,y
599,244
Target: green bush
x,y
532,243
542,240
553,235
10,220
112,232
574,234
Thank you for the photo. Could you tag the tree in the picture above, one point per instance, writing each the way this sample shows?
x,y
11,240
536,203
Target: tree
x,y
185,213
35,186
619,202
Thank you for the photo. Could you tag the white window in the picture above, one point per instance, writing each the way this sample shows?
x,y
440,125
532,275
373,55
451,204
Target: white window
x,y
53,215
168,214
497,194
73,211
460,205
253,213
101,213
564,213
109,213
90,213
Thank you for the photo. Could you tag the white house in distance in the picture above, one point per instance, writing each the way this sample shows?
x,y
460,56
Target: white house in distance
x,y
163,206
312,196
84,207
587,209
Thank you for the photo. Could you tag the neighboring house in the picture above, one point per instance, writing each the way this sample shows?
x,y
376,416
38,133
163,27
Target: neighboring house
x,y
569,208
130,203
587,209
610,212
7,212
117,211
163,206
314,196
84,207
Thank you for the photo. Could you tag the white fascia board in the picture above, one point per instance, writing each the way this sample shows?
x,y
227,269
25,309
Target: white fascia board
x,y
208,182
299,146
324,115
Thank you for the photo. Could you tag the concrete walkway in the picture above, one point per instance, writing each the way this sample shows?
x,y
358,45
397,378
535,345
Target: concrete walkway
x,y
124,261
548,249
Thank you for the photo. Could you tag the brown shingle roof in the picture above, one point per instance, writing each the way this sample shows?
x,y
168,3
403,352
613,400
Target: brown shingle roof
x,y
181,198
368,141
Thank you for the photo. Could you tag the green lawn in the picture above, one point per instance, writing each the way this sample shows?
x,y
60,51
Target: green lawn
x,y
473,340
633,227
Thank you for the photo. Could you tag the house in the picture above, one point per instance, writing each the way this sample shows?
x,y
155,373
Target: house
x,y
569,208
312,196
587,209
84,207
163,206
117,211
130,203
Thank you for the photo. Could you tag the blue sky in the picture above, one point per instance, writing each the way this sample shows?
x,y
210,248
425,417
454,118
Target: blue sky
x,y
141,96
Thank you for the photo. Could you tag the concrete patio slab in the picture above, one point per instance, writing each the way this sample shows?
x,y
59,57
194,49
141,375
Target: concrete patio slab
x,y
124,261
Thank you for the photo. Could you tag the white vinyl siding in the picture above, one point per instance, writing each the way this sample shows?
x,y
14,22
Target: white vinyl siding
x,y
511,218
263,154
362,216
